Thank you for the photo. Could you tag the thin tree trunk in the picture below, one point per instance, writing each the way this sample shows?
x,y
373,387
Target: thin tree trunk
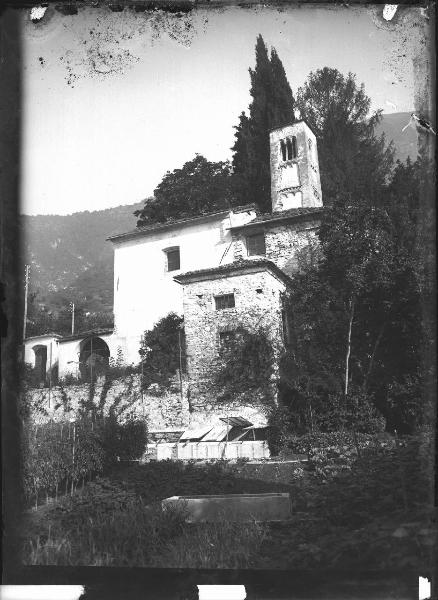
x,y
356,443
347,358
373,355
311,415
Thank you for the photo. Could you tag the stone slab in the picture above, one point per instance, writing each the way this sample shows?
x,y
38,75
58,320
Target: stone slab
x,y
233,507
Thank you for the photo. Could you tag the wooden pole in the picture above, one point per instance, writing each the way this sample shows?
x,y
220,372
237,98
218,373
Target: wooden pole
x,y
347,358
72,318
26,289
50,373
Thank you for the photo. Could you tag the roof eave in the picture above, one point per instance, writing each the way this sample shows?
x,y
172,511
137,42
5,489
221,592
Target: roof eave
x,y
234,269
179,223
255,224
293,123
86,334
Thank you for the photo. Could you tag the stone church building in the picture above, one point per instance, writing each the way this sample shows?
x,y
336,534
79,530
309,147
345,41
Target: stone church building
x,y
233,263
221,271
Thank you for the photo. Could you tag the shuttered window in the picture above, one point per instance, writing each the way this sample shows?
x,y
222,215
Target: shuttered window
x,y
173,262
255,244
224,301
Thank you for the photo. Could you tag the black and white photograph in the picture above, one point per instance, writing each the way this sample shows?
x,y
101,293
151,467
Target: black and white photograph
x,y
225,287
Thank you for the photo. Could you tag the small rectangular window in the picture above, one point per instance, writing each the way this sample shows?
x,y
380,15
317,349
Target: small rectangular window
x,y
224,301
173,262
294,152
283,149
255,244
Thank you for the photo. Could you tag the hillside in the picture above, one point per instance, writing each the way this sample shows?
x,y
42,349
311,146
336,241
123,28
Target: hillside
x,y
71,261
69,258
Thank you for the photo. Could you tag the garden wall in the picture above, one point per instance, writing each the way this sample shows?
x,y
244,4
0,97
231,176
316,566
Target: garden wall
x,y
164,410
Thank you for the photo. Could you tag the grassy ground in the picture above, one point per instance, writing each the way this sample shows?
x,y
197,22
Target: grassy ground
x,y
348,522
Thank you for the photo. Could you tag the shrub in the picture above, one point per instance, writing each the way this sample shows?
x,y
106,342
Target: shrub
x,y
68,380
245,368
70,452
163,351
133,439
126,441
111,526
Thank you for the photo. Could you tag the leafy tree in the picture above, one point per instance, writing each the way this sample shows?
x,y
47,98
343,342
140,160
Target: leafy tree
x,y
357,311
358,315
351,158
271,106
199,187
163,350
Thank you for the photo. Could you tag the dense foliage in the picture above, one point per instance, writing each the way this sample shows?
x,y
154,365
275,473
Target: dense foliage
x,y
199,187
272,105
357,309
58,456
109,525
351,158
349,511
162,351
244,369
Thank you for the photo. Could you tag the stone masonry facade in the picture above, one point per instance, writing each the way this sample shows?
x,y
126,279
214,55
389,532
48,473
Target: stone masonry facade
x,y
258,298
295,179
163,412
283,242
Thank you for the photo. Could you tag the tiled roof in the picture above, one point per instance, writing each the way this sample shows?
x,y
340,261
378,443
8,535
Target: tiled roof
x,y
257,264
292,123
43,335
284,215
145,229
85,334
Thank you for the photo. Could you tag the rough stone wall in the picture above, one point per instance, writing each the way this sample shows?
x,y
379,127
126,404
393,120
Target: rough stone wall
x,y
258,303
283,244
164,412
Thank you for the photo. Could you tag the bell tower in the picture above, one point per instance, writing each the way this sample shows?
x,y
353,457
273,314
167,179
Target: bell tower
x,y
295,181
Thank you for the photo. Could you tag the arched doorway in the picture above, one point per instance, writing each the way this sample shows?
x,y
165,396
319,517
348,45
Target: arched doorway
x,y
93,358
40,363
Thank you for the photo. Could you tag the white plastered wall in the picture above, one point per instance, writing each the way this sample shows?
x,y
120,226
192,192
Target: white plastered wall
x,y
144,291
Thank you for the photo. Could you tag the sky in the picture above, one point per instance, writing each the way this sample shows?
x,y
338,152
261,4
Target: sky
x,y
112,101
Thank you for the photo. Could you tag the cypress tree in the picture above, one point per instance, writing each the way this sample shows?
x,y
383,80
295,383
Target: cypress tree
x,y
271,106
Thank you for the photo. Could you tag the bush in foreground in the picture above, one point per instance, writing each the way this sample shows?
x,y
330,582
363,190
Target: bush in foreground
x,y
108,526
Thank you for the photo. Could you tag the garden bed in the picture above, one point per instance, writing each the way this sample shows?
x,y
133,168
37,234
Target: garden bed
x,y
374,515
